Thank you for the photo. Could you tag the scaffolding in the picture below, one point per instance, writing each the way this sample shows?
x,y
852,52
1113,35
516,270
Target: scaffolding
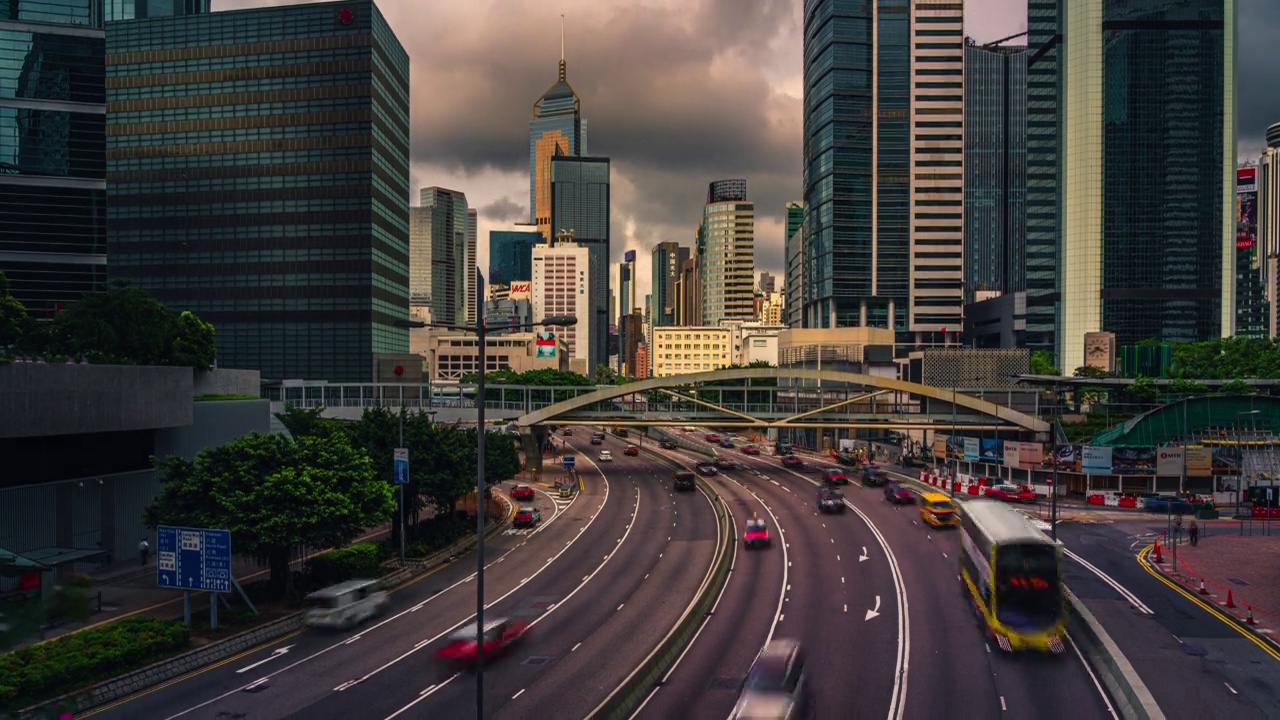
x,y
1259,463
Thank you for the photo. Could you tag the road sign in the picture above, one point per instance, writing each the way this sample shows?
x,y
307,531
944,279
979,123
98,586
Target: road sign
x,y
568,461
193,559
402,466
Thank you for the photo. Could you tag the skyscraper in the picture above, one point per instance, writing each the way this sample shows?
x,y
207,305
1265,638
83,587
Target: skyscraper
x,y
561,277
420,254
1145,175
511,253
995,168
247,200
557,129
768,283
627,283
883,215
580,205
472,267
689,294
1041,262
727,239
1253,310
1269,222
665,270
793,256
452,282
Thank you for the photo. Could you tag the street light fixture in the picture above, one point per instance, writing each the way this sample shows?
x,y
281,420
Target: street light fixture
x,y
482,339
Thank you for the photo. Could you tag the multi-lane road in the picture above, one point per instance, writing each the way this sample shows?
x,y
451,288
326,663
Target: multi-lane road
x,y
872,594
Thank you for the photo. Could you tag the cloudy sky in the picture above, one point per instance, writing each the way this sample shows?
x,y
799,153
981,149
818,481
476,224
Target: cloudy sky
x,y
676,92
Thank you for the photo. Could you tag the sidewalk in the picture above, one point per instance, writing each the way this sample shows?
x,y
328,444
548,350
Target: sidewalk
x,y
1246,565
128,589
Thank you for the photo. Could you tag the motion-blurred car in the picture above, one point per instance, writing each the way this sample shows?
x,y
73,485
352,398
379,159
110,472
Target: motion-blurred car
x,y
874,476
1162,503
830,500
685,481
631,451
757,534
750,450
726,443
597,439
499,636
606,456
712,438
834,476
527,517
791,461
1011,493
666,445
937,510
566,432
898,494
725,463
707,470
775,686
522,493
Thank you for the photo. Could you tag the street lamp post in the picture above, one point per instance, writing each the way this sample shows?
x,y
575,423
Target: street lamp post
x,y
1053,443
481,357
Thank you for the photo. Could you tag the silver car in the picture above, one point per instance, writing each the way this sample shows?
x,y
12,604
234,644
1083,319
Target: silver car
x,y
775,686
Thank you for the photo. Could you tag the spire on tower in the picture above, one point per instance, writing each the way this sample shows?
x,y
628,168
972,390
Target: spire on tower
x,y
562,65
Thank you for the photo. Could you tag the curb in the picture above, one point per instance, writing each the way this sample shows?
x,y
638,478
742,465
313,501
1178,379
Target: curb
x,y
1186,583
1133,699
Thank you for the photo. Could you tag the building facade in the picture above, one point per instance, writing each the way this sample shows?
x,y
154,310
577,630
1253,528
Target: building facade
x,y
1253,309
580,207
1269,221
452,286
699,348
511,253
557,129
258,170
689,294
768,283
630,339
726,239
793,257
561,282
450,357
665,265
995,168
420,253
472,266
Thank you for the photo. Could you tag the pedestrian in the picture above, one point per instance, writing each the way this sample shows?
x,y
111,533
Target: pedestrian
x,y
143,550
1194,533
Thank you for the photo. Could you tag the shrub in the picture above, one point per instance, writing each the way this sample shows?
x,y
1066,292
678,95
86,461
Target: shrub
x,y
40,672
362,560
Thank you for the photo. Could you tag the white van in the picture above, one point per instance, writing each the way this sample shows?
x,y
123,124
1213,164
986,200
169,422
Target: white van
x,y
346,604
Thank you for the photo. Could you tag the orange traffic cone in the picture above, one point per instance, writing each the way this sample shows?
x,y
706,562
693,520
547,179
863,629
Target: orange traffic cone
x,y
1250,618
1231,601
1159,555
1203,589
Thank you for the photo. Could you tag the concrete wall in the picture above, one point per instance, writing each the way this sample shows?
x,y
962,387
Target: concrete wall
x,y
217,422
228,382
43,399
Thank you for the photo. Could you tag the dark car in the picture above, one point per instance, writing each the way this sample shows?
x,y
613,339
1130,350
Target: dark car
x,y
685,481
522,493
499,635
666,445
775,686
620,432
631,450
527,517
874,476
707,470
566,432
726,443
898,494
597,440
1162,503
830,500
835,476
791,461
757,534
725,463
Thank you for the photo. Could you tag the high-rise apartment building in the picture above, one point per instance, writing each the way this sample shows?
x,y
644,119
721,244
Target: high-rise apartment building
x,y
557,129
793,258
884,164
1253,311
580,207
727,262
768,283
561,279
452,280
1269,222
1142,169
258,166
511,253
995,168
664,266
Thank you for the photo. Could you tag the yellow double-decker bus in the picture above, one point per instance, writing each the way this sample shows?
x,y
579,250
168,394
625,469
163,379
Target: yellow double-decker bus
x,y
1013,573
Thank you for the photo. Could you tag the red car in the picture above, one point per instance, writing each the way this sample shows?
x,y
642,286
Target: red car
x,y
835,476
499,635
791,461
631,450
712,438
1011,493
898,494
522,493
757,534
750,450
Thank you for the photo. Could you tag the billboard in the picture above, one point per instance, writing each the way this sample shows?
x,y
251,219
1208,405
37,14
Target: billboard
x,y
1247,213
629,256
546,345
1096,460
521,290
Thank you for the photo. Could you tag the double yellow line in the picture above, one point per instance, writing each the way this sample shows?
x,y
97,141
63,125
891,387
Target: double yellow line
x,y
1209,607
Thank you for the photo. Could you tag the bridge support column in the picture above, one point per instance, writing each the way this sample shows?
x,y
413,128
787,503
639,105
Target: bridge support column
x,y
532,439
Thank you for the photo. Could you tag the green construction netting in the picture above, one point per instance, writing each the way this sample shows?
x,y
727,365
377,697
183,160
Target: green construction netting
x,y
1228,415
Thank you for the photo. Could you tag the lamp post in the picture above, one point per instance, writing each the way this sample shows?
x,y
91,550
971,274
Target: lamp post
x,y
1053,443
481,340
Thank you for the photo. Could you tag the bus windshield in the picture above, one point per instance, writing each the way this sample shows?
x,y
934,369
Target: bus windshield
x,y
1028,592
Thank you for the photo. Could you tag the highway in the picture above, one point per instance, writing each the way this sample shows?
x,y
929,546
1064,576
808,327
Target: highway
x,y
602,581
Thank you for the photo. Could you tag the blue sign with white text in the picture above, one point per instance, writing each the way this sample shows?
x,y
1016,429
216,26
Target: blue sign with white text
x,y
402,466
193,559
568,461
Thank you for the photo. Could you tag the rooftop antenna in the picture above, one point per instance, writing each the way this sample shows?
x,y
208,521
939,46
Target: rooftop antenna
x,y
562,67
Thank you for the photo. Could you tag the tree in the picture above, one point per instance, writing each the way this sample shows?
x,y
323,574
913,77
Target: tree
x,y
1042,363
309,422
1236,387
1143,389
605,375
193,342
275,495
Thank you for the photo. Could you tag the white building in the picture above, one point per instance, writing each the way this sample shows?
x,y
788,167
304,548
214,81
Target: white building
x,y
561,282
752,341
683,350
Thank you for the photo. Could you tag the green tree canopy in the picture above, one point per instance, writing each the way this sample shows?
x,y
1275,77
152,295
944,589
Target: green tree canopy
x,y
275,495
14,320
1042,363
1226,359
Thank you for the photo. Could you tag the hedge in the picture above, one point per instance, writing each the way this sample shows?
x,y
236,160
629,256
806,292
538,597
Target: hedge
x,y
362,560
39,672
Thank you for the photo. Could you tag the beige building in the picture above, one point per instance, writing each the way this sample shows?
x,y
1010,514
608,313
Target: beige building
x,y
771,308
727,271
561,286
450,356
832,348
682,350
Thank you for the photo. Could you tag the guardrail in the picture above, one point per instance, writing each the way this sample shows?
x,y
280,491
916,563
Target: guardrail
x,y
628,696
1133,700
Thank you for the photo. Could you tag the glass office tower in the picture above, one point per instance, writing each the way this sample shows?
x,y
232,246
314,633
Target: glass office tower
x,y
557,128
580,203
258,163
511,255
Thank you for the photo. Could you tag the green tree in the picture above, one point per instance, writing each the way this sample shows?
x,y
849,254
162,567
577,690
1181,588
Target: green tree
x,y
1091,372
605,375
275,495
1236,387
1042,363
309,422
1179,386
14,321
193,342
1143,389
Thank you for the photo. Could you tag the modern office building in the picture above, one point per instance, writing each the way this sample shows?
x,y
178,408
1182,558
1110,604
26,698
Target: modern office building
x,y
1253,310
561,281
690,349
727,264
53,217
1269,222
472,265
793,256
511,253
452,280
995,168
664,266
625,307
258,171
768,283
883,172
1141,163
557,129
580,207
420,254
689,294
630,339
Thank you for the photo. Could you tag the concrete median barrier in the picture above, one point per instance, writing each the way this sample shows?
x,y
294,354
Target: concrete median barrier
x,y
1129,693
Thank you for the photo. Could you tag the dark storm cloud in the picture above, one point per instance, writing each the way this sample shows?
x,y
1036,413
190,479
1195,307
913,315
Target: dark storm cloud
x,y
504,209
1258,77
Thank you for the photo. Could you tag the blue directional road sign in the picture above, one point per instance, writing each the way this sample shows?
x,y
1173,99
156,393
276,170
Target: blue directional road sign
x,y
193,559
402,466
568,461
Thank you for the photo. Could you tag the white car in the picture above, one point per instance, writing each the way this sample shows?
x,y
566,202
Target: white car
x,y
606,456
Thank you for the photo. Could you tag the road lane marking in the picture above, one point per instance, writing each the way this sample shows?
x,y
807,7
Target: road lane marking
x,y
1096,683
1233,690
620,607
575,647
513,697
1124,592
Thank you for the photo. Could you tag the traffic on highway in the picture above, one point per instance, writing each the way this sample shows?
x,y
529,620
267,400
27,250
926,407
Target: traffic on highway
x,y
850,593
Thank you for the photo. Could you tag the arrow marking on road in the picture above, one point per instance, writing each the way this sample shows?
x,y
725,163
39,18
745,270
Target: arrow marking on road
x,y
274,654
863,557
876,612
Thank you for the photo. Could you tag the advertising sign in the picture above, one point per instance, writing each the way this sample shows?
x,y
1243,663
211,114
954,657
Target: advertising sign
x,y
1133,461
521,290
546,345
629,256
1169,461
1031,454
1012,454
1247,212
400,458
1096,460
972,449
991,450
939,446
1199,461
193,559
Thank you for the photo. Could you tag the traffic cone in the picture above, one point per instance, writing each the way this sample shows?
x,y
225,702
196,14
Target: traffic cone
x,y
1250,618
1159,555
1231,601
1203,589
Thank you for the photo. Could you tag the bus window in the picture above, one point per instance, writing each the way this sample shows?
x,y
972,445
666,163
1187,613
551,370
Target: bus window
x,y
1027,586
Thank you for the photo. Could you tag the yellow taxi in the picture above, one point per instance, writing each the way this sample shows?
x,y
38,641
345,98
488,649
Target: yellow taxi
x,y
938,510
